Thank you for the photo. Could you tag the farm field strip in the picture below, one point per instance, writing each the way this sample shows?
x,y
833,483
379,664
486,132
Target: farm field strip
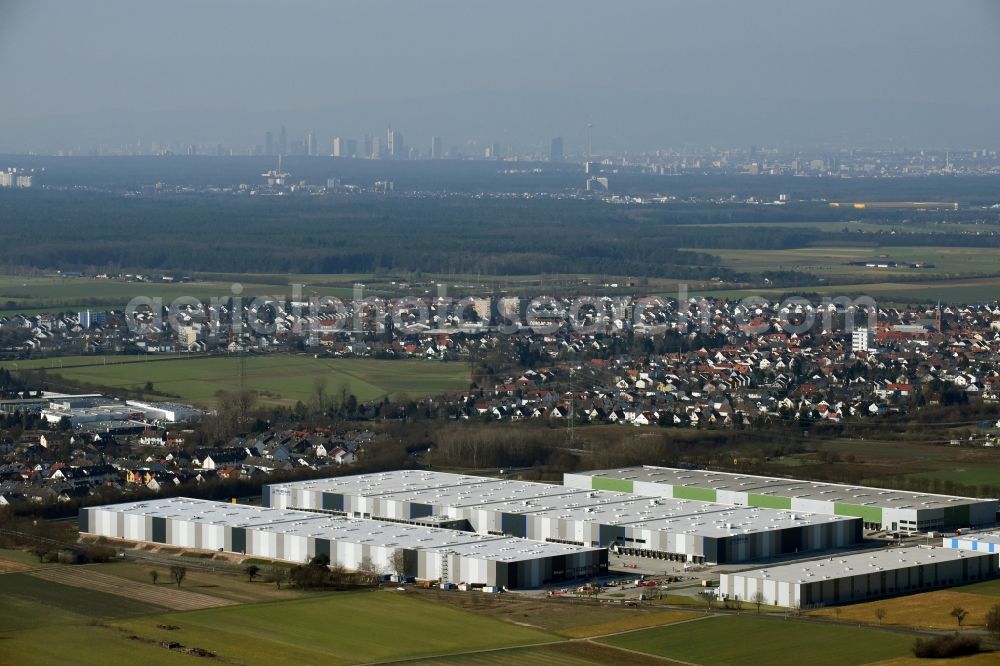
x,y
349,627
563,653
40,293
983,659
747,640
965,290
278,378
165,596
836,260
7,566
230,587
923,611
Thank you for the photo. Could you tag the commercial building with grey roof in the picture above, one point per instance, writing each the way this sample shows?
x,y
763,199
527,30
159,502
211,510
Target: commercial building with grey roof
x,y
879,508
858,577
428,553
674,529
984,542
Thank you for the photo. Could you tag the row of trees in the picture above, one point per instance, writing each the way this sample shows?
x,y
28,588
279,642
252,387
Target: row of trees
x,y
176,572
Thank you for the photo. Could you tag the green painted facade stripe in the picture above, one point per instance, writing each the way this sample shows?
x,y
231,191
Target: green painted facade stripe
x,y
615,485
769,501
691,493
869,514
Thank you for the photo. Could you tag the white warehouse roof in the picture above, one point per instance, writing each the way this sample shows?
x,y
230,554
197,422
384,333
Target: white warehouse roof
x,y
856,564
446,490
792,488
349,530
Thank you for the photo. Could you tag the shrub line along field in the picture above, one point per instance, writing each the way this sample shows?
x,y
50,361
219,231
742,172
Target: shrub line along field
x,y
278,378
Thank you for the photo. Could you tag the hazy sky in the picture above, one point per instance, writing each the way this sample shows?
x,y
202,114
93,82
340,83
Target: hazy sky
x,y
648,73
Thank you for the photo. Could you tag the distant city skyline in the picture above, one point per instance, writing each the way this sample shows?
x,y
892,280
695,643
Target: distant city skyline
x,y
641,75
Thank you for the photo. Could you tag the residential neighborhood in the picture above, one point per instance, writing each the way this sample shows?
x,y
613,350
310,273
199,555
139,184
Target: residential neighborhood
x,y
707,369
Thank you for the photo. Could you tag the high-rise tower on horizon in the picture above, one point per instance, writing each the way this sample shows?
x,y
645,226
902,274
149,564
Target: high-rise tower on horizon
x,y
394,145
556,150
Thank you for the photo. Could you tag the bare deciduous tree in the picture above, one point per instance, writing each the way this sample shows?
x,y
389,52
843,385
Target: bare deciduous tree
x,y
367,570
399,562
993,620
278,575
338,573
177,574
319,391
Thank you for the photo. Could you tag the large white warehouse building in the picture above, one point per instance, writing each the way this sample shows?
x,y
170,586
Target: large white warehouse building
x,y
429,553
858,577
879,508
985,542
675,529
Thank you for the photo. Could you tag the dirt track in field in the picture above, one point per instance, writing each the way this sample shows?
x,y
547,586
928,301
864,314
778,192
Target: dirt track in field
x,y
8,566
166,595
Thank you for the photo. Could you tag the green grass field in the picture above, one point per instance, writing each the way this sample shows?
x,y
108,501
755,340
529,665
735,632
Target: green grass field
x,y
30,295
30,603
746,640
970,476
85,644
990,588
833,261
969,290
880,461
958,275
20,294
560,654
278,378
233,587
22,557
40,620
335,628
923,610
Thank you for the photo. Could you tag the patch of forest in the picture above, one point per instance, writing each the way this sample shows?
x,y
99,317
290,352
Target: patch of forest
x,y
462,235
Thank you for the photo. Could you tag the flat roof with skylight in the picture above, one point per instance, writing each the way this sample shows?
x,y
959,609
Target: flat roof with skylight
x,y
857,564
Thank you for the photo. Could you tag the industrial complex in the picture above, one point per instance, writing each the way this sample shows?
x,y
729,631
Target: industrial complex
x,y
858,577
426,553
96,411
879,508
686,530
457,528
986,542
